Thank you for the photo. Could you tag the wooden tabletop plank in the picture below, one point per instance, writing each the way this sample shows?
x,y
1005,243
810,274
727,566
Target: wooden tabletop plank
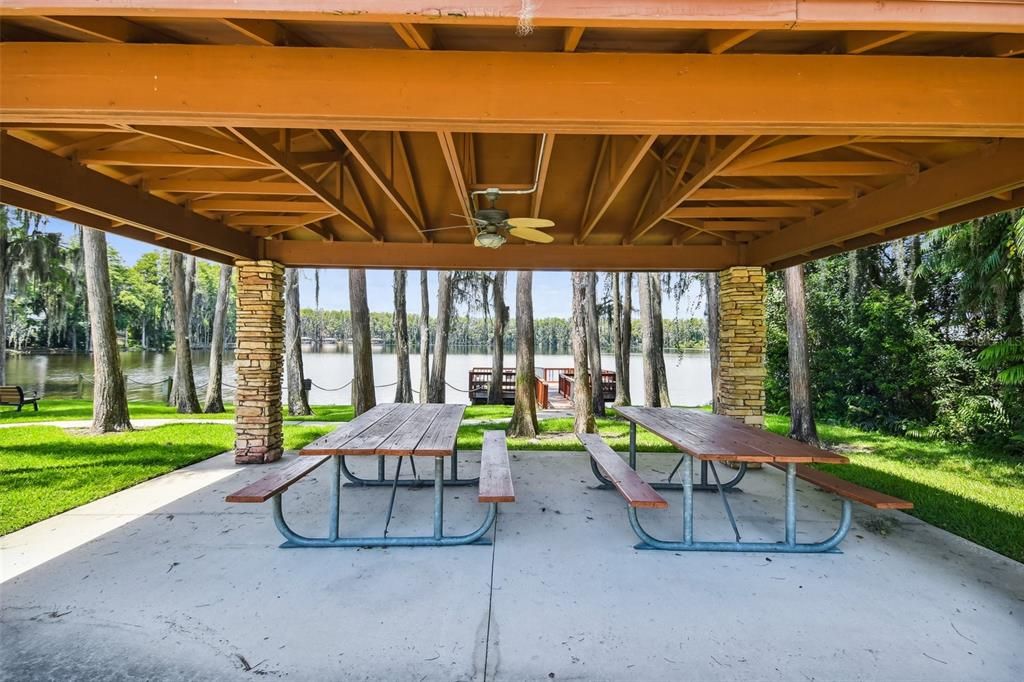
x,y
407,436
495,470
716,437
439,439
333,442
367,442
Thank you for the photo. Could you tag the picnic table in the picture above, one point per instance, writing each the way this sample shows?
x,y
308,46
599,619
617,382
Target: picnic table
x,y
710,438
391,430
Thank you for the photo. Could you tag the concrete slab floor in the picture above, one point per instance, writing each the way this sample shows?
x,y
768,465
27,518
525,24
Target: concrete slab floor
x,y
166,581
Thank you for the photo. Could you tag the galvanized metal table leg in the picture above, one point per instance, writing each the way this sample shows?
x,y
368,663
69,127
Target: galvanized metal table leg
x,y
335,511
404,483
438,498
687,500
394,493
790,504
380,469
632,445
725,499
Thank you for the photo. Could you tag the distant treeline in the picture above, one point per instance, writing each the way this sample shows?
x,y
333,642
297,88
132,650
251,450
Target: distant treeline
x,y
551,333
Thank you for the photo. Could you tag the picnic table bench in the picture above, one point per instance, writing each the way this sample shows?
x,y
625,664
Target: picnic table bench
x,y
392,430
15,395
710,438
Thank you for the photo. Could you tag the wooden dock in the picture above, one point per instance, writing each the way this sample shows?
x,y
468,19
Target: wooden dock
x,y
553,386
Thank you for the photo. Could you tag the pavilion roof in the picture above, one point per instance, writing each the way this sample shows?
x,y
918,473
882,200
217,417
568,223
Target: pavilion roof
x,y
664,136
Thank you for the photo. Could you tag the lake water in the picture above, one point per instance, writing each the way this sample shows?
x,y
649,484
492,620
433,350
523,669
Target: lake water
x,y
57,375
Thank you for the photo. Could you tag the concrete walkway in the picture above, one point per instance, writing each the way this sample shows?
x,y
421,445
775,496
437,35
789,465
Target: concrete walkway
x,y
165,581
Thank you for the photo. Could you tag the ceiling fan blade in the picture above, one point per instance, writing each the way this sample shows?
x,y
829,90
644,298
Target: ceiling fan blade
x,y
531,223
531,235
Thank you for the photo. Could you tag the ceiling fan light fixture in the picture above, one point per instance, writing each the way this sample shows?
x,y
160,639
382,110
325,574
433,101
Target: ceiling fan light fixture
x,y
490,240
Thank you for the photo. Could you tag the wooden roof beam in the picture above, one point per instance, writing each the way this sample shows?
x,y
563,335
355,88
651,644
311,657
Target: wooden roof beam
x,y
166,160
451,158
30,170
106,29
386,184
256,205
545,144
415,36
581,93
994,168
263,31
210,143
510,256
609,181
789,150
860,42
291,168
714,165
824,169
572,37
742,212
719,42
188,185
774,194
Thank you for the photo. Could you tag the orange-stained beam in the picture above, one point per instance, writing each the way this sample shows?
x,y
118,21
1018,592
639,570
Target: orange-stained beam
x,y
719,42
451,159
789,150
508,257
994,168
386,185
415,36
204,141
30,170
823,168
859,42
572,37
265,205
188,185
714,165
544,146
580,93
742,212
774,194
292,169
608,182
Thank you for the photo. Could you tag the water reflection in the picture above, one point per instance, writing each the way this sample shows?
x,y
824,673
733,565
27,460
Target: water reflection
x,y
58,375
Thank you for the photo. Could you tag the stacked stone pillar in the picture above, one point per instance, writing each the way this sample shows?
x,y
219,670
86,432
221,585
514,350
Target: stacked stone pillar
x,y
259,362
741,343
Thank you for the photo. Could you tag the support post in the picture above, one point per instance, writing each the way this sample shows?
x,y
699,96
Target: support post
x,y
741,345
259,362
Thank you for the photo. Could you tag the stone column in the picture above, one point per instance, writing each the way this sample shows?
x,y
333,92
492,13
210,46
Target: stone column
x,y
741,343
259,362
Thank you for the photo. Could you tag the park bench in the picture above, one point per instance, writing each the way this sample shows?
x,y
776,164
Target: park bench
x,y
406,430
843,488
636,491
14,395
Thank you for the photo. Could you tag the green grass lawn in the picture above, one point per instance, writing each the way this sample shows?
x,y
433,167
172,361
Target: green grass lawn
x,y
45,470
62,409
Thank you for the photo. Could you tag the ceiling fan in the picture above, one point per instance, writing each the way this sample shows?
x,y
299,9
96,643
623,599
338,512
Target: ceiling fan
x,y
493,225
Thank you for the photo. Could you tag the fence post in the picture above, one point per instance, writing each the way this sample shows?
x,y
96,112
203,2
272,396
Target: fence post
x,y
167,398
81,386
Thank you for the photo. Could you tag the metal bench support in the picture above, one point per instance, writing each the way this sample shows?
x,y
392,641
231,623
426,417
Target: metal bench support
x,y
789,546
333,539
382,480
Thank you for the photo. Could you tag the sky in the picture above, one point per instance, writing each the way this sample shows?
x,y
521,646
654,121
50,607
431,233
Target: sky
x,y
551,290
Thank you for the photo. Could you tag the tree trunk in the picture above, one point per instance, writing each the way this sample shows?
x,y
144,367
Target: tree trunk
x,y
659,340
109,399
424,338
524,414
403,387
363,396
3,328
183,396
444,314
496,395
214,397
652,397
582,397
711,289
298,401
626,336
802,426
594,345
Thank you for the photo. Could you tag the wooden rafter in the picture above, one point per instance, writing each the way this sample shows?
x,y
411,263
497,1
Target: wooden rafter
x,y
415,36
572,37
719,161
451,159
608,182
742,212
545,145
788,150
262,31
859,42
292,169
975,176
719,42
823,168
363,157
256,205
196,186
106,29
774,194
30,170
211,143
166,160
